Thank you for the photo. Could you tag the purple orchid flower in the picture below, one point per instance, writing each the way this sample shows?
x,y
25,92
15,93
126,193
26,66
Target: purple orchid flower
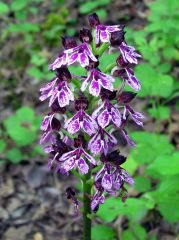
x,y
75,159
136,116
82,53
101,142
102,32
98,80
112,177
97,199
62,60
49,124
105,113
57,89
81,120
128,53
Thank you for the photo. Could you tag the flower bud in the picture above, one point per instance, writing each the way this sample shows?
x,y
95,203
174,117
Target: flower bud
x,y
106,94
117,38
63,74
121,63
79,141
68,42
81,103
85,35
116,157
93,20
126,97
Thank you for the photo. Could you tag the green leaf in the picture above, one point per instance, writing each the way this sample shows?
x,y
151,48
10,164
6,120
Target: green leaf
x,y
17,5
139,232
25,114
134,209
21,135
153,83
161,113
165,164
102,232
142,184
2,146
127,235
35,72
4,9
14,155
89,6
130,165
145,142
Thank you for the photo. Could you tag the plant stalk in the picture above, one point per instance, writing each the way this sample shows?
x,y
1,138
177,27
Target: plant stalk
x,y
86,207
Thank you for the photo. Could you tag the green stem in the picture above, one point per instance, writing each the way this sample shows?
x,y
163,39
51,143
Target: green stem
x,y
102,49
109,67
86,207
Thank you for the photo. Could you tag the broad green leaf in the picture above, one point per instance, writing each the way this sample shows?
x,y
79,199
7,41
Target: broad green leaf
x,y
4,9
102,232
134,209
142,184
21,135
153,83
161,113
14,155
127,235
149,146
17,5
165,164
139,233
25,114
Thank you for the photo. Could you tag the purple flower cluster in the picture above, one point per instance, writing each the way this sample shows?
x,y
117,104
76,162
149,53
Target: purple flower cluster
x,y
79,130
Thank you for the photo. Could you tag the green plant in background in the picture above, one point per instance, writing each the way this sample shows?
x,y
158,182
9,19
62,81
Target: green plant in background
x,y
21,129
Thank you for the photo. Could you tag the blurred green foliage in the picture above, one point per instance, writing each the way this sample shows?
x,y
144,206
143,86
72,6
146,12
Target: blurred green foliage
x,y
154,163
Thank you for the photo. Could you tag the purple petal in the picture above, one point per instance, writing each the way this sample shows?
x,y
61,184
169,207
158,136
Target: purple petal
x,y
96,147
83,59
116,116
88,128
74,126
87,81
49,85
88,51
104,119
69,164
46,137
97,32
89,157
128,140
63,99
67,155
107,181
127,178
72,59
100,173
94,88
104,36
97,111
48,149
132,80
83,166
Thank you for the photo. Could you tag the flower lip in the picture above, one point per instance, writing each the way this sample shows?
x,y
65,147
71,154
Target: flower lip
x,y
68,42
93,20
